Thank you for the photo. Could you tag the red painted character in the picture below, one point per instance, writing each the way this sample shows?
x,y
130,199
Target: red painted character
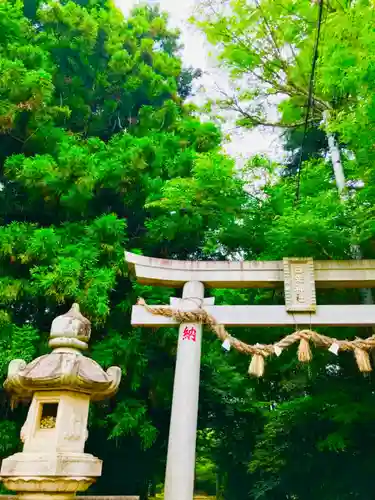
x,y
190,334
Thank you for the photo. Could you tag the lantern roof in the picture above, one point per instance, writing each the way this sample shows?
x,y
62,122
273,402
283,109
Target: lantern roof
x,y
65,368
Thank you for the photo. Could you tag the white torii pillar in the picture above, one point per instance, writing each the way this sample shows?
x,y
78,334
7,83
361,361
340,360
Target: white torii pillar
x,y
299,278
179,479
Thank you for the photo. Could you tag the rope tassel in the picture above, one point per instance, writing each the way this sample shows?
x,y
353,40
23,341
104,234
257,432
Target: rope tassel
x,y
304,351
256,367
362,358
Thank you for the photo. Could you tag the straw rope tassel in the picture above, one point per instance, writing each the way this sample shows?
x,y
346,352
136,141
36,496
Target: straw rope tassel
x,y
256,367
363,360
304,351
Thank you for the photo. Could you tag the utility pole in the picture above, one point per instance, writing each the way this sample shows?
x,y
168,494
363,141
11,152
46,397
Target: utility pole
x,y
339,173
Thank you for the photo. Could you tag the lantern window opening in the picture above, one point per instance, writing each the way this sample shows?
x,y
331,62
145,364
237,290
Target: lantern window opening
x,y
48,415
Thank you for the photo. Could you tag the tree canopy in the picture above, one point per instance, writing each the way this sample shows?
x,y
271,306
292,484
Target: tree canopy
x,y
311,416
100,152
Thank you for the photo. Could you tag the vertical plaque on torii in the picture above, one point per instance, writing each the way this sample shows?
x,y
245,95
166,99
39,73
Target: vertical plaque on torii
x,y
299,285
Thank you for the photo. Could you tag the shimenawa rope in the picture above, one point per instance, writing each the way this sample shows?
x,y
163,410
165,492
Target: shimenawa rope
x,y
259,352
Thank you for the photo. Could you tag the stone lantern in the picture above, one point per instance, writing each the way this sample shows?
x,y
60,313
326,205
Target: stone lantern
x,y
60,385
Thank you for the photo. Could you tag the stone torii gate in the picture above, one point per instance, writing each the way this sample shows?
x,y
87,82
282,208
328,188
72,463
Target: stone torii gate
x,y
299,277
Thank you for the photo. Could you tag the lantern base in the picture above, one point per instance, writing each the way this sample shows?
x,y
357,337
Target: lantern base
x,y
51,464
45,496
48,487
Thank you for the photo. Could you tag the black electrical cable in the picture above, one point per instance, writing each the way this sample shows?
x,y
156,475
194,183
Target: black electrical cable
x,y
310,98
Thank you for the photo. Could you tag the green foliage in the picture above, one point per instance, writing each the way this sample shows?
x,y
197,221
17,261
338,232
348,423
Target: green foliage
x,y
95,144
99,153
313,147
309,425
270,45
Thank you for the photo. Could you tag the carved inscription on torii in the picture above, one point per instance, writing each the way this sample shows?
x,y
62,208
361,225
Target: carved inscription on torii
x,y
299,285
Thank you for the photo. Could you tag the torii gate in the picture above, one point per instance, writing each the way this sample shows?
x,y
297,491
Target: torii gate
x,y
299,277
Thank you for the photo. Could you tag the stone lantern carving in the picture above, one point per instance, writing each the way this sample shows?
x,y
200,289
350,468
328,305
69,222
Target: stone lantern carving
x,y
60,385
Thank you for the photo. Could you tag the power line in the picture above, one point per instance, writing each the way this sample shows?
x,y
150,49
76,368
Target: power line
x,y
310,97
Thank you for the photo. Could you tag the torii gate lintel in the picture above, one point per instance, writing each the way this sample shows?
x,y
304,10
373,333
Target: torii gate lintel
x,y
248,274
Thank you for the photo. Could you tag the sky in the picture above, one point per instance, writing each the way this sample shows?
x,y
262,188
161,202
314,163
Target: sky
x,y
197,53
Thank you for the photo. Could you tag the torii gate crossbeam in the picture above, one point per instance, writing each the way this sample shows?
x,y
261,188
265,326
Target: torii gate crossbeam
x,y
250,274
299,277
256,316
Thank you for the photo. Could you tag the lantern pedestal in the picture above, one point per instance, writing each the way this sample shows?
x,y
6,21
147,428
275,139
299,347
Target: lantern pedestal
x,y
47,488
42,464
